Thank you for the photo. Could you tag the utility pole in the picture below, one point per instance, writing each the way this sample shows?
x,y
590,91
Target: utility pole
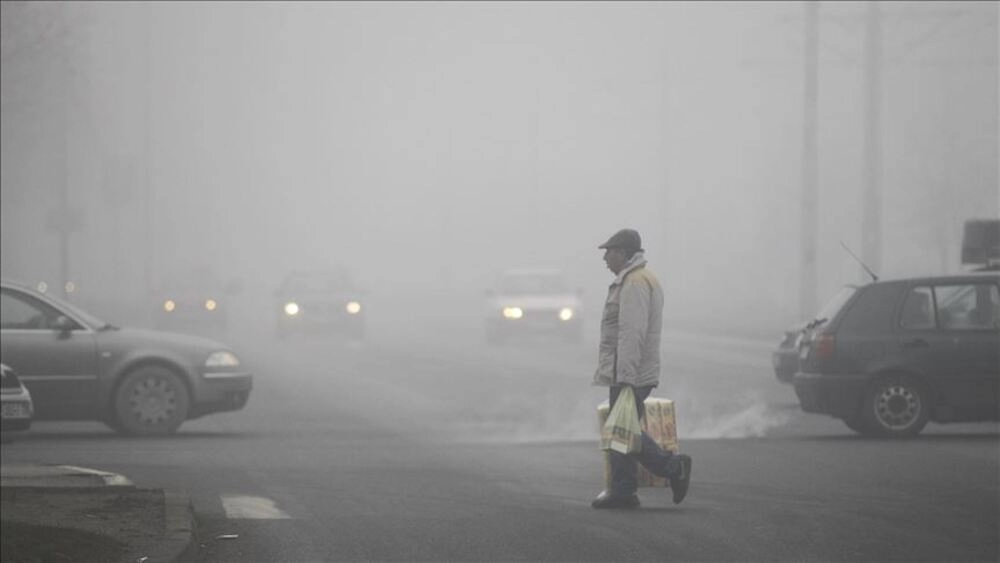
x,y
148,252
60,219
872,63
871,224
810,159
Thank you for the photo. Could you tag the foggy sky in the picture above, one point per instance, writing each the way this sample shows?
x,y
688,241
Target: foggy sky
x,y
431,145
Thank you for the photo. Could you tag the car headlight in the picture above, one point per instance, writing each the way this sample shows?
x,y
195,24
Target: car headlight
x,y
512,312
291,308
222,359
353,307
169,305
210,304
566,313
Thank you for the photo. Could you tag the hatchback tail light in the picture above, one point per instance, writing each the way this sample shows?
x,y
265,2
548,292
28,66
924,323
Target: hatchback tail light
x,y
824,345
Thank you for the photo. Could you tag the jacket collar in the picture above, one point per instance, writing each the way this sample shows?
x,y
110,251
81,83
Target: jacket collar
x,y
637,261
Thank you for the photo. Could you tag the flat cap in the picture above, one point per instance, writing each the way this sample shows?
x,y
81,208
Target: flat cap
x,y
626,238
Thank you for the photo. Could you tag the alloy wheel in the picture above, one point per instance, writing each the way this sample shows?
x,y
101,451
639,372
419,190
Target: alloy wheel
x,y
897,407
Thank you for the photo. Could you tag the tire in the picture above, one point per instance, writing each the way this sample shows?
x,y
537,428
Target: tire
x,y
151,401
896,407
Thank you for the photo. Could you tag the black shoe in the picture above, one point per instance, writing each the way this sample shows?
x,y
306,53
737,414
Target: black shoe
x,y
679,484
604,500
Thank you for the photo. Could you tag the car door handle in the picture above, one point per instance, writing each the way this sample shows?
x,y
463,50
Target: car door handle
x,y
916,343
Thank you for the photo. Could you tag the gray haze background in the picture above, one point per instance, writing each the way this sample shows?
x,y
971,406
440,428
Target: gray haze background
x,y
427,146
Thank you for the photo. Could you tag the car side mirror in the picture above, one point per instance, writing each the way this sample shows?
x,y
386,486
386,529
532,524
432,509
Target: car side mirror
x,y
63,324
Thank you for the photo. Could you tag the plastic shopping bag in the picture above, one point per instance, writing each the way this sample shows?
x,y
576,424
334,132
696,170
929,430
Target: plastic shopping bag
x,y
621,432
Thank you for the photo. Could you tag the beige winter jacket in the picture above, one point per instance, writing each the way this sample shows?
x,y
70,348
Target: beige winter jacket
x,y
630,328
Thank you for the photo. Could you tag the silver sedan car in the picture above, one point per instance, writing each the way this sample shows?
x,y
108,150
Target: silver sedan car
x,y
79,367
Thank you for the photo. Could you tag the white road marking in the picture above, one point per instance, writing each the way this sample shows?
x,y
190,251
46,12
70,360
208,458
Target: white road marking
x,y
251,508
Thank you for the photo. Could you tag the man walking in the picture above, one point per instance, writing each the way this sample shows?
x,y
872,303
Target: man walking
x,y
630,355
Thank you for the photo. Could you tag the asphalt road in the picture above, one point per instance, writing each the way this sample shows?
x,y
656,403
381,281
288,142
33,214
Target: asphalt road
x,y
423,443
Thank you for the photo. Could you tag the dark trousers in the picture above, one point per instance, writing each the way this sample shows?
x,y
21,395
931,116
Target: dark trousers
x,y
656,460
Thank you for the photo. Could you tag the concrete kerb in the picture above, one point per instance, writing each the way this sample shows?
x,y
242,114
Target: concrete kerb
x,y
178,533
173,541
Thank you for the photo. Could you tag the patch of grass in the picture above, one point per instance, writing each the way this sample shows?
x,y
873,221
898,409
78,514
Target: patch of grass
x,y
28,543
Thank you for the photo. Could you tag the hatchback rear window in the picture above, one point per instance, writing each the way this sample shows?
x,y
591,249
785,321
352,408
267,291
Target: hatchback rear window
x,y
834,305
872,311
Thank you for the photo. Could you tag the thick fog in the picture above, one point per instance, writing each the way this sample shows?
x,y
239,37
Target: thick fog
x,y
428,146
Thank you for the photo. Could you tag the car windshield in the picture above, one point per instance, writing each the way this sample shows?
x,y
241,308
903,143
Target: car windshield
x,y
89,319
194,281
834,305
319,283
523,284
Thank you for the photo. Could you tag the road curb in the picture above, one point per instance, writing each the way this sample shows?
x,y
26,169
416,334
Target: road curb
x,y
110,479
178,529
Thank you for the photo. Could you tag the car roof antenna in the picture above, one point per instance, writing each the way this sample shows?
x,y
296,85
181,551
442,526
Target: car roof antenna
x,y
867,269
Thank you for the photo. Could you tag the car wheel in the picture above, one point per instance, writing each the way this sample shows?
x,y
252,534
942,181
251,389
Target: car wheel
x,y
896,408
151,401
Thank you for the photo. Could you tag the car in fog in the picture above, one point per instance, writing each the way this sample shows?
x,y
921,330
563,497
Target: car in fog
x,y
193,301
785,358
319,301
532,302
79,367
899,353
18,409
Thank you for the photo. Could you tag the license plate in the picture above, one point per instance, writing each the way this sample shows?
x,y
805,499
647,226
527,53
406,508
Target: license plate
x,y
16,410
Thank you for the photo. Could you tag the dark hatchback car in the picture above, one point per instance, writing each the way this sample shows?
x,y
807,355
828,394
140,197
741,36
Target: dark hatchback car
x,y
78,367
901,353
319,301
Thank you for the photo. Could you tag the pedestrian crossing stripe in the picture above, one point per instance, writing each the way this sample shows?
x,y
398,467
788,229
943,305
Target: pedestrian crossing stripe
x,y
243,507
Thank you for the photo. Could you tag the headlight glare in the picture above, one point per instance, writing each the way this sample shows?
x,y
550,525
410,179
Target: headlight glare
x,y
566,313
353,307
291,309
222,359
210,304
169,305
512,312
